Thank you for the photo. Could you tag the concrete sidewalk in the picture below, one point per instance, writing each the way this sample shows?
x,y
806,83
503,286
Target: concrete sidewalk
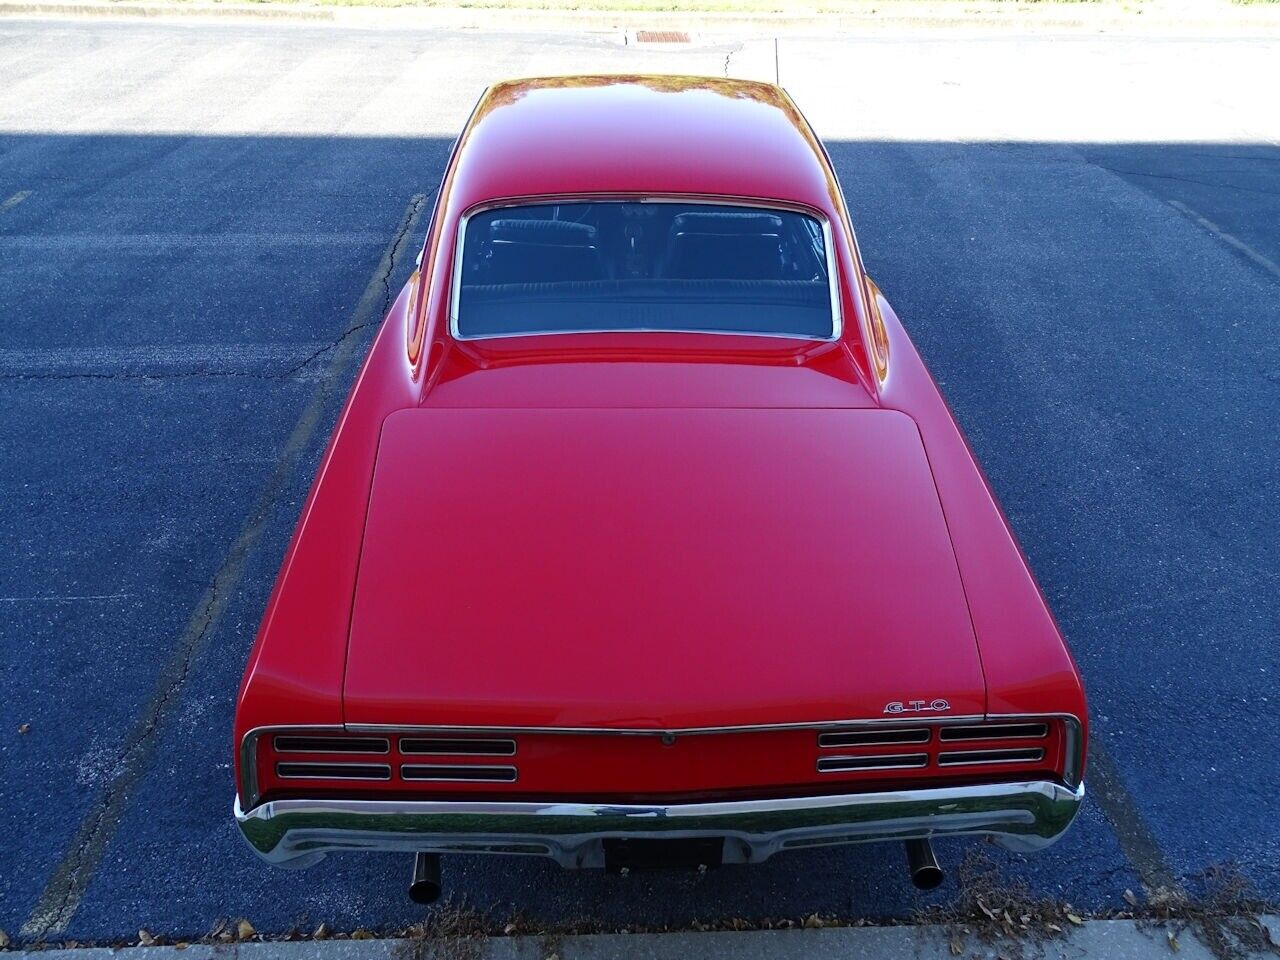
x,y
1105,939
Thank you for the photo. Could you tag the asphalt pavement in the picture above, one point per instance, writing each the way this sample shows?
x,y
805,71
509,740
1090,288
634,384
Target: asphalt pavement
x,y
201,223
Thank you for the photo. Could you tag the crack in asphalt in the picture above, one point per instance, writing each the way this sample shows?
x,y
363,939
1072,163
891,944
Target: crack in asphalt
x,y
729,56
65,889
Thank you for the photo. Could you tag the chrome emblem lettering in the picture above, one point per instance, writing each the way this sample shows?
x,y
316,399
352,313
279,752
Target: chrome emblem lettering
x,y
917,706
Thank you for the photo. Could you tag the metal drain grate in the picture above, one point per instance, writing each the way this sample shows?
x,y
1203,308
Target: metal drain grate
x,y
661,36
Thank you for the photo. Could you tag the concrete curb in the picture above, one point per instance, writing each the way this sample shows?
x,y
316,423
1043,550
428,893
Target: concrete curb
x,y
1083,18
1104,939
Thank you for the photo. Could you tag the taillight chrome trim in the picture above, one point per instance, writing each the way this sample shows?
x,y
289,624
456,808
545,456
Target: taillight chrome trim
x,y
306,743
457,773
1073,736
875,738
307,770
1030,730
458,746
982,758
873,761
1073,740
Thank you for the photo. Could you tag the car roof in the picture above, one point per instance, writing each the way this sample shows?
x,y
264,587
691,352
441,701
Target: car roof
x,y
655,135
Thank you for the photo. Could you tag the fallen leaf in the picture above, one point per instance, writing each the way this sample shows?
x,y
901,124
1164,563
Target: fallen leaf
x,y
1130,899
146,939
812,922
1054,927
1174,945
181,945
1074,919
244,930
362,935
225,936
320,932
24,728
4,940
510,929
957,947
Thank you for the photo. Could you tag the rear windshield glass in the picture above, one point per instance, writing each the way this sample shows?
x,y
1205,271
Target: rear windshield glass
x,y
630,265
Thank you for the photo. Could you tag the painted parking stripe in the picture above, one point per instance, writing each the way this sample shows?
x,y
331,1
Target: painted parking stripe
x,y
1136,840
65,889
165,241
158,360
13,201
1232,241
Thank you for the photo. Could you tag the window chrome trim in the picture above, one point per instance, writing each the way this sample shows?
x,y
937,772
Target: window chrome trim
x,y
833,275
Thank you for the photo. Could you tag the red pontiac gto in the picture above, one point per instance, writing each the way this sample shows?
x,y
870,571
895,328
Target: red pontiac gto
x,y
645,537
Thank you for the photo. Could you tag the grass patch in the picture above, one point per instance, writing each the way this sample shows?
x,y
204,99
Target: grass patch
x,y
745,7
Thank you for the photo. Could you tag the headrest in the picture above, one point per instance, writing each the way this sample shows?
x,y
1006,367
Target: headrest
x,y
736,224
561,233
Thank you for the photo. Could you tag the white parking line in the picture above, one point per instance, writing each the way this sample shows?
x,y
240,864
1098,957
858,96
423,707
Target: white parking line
x,y
61,896
155,359
1231,241
154,241
69,599
13,201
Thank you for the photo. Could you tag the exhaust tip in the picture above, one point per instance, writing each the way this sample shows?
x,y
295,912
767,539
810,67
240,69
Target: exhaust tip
x,y
927,878
425,887
424,891
926,874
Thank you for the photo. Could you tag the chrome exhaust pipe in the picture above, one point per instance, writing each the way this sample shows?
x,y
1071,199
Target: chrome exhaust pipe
x,y
425,886
923,865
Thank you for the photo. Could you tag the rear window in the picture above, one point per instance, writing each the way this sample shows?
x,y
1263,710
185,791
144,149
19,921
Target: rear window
x,y
633,265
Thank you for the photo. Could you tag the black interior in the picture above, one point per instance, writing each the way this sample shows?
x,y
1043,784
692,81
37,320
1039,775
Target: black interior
x,y
630,265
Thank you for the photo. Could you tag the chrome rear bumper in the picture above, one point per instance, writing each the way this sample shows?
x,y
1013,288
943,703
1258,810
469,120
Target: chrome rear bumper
x,y
297,833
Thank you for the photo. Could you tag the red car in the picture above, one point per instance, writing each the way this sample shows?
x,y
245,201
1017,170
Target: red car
x,y
645,537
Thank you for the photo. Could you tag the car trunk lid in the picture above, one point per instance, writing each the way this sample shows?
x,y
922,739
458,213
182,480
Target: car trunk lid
x,y
656,569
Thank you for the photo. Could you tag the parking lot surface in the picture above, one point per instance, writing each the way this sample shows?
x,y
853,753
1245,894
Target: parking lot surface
x,y
201,224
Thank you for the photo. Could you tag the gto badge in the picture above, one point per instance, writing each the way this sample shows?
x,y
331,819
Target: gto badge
x,y
917,706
